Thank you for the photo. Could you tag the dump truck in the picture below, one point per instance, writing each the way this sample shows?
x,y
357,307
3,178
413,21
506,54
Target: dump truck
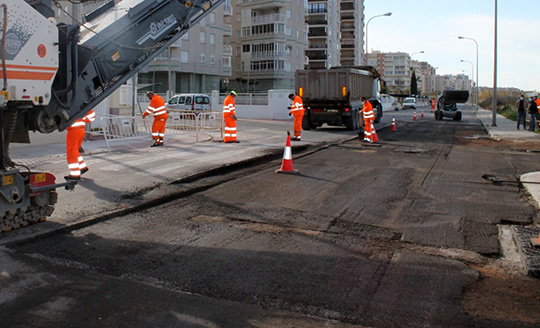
x,y
332,96
447,104
54,73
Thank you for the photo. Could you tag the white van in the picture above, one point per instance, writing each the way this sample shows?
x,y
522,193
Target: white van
x,y
409,103
189,101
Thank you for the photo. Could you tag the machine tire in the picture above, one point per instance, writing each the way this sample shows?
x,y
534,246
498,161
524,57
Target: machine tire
x,y
379,113
305,123
349,123
458,116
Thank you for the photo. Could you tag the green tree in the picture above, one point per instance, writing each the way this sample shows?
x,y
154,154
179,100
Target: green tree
x,y
414,84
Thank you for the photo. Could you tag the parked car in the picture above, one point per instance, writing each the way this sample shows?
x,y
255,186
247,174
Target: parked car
x,y
189,101
409,102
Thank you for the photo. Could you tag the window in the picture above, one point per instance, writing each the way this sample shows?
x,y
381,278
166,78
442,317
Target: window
x,y
202,57
212,18
184,57
212,39
212,60
203,37
246,48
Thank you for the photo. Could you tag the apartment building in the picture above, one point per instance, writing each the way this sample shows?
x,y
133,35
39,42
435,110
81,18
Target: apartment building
x,y
352,32
324,49
269,42
395,69
453,82
200,61
425,74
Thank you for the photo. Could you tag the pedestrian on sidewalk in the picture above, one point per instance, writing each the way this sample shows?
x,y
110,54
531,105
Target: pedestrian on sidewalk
x,y
297,111
521,105
369,116
74,139
229,115
159,111
533,110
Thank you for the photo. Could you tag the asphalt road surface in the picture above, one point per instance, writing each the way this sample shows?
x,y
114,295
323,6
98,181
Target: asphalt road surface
x,y
405,233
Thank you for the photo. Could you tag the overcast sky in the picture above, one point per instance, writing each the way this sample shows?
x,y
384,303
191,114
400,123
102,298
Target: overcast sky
x,y
434,26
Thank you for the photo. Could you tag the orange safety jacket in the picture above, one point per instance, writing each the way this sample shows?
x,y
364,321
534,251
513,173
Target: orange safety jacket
x,y
157,108
368,111
81,122
297,107
229,108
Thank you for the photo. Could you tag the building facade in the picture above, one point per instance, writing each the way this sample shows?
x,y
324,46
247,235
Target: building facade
x,y
324,49
269,42
395,70
352,32
200,61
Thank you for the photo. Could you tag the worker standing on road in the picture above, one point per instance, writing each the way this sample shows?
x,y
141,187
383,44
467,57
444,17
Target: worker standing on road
x,y
297,111
229,115
433,104
74,139
369,117
158,109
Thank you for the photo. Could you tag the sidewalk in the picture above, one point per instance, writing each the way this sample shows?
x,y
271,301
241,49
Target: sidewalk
x,y
506,129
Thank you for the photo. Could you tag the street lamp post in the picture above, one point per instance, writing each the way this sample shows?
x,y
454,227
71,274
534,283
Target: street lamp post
x,y
477,77
494,104
472,70
367,24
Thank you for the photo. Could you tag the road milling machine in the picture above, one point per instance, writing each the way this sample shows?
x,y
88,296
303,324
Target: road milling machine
x,y
54,73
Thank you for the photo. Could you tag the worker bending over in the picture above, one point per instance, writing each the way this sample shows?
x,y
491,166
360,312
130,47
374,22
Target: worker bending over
x,y
158,109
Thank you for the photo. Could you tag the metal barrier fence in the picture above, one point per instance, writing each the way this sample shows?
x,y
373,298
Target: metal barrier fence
x,y
123,128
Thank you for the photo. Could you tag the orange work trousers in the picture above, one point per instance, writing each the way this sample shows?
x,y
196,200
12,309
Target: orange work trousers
x,y
298,124
229,134
74,139
367,130
158,129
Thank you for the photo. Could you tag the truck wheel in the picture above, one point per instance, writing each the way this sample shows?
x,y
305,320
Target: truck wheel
x,y
305,123
458,116
349,124
379,113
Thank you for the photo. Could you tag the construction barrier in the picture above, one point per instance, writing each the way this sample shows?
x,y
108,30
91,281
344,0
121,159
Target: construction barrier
x,y
125,128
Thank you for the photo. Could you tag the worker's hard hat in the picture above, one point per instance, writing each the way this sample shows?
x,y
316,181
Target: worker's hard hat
x,y
234,93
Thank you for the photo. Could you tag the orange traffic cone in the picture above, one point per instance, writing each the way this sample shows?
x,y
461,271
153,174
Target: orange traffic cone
x,y
393,123
286,165
414,117
422,114
536,241
374,137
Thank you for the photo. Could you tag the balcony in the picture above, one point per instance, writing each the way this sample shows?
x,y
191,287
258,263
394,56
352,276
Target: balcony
x,y
317,54
265,19
317,31
264,4
227,10
269,54
317,20
227,30
227,50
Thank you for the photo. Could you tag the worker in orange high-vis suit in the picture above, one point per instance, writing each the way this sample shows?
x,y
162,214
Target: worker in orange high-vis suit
x,y
433,104
297,111
74,139
369,117
229,116
158,109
